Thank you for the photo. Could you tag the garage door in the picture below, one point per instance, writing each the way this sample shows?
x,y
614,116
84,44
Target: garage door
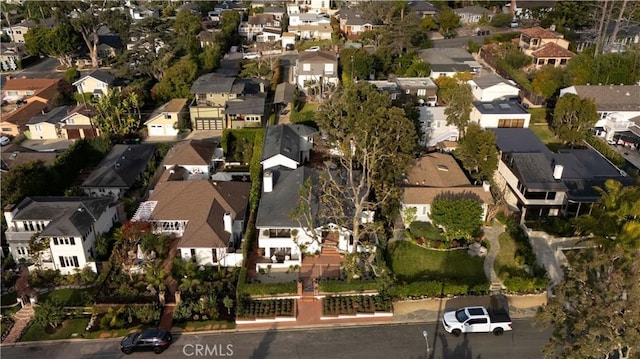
x,y
209,124
156,130
73,133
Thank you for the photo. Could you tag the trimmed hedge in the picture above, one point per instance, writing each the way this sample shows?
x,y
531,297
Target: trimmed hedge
x,y
601,146
339,286
435,289
270,288
525,285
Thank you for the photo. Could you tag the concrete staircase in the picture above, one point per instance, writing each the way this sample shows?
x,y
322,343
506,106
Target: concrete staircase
x,y
22,319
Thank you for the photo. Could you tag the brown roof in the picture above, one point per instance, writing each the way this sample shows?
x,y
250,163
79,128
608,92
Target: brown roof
x,y
426,195
317,56
83,109
552,50
191,153
538,32
611,98
175,105
436,170
261,19
24,84
12,159
22,115
203,204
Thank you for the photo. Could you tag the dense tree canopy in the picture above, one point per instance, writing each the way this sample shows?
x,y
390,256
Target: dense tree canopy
x,y
461,217
573,118
59,42
49,313
118,112
177,81
448,20
355,64
547,80
478,153
376,141
459,102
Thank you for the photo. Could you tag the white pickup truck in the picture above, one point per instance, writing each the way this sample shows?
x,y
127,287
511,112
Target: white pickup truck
x,y
476,320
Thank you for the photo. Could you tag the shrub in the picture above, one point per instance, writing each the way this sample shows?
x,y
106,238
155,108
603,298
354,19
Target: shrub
x,y
71,75
426,230
601,146
338,286
525,285
270,288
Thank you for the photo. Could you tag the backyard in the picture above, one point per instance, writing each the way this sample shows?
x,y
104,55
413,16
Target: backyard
x,y
304,112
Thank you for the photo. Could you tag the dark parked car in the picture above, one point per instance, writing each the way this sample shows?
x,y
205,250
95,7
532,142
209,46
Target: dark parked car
x,y
156,340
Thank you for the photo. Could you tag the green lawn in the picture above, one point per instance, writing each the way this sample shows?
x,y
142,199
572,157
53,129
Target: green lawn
x,y
68,327
506,256
538,115
189,326
114,333
69,297
306,114
411,262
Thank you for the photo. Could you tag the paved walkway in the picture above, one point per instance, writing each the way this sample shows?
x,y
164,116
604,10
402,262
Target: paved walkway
x,y
22,319
491,234
550,255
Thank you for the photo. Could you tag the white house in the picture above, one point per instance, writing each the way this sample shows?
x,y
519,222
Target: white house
x,y
434,126
316,67
287,145
96,83
209,217
434,175
69,224
166,119
489,87
499,114
617,105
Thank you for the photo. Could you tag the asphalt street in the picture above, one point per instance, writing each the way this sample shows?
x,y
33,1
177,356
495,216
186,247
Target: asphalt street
x,y
381,341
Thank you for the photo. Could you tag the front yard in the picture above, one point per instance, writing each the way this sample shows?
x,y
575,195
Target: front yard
x,y
70,328
411,262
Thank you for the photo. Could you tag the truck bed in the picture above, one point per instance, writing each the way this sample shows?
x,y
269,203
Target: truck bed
x,y
499,316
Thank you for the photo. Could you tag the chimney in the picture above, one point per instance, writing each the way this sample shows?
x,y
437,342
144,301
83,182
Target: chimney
x,y
557,171
10,211
261,87
486,186
227,222
512,8
267,181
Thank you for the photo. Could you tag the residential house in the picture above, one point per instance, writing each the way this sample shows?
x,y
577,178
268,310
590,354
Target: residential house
x,y
539,183
122,168
287,146
13,155
208,217
79,123
208,110
308,18
208,37
256,24
499,114
449,61
15,122
287,38
312,32
545,46
109,46
269,35
70,225
528,9
277,12
197,158
48,126
489,87
168,118
316,67
438,175
142,12
421,88
189,6
97,83
617,105
422,8
353,23
473,14
10,56
628,35
23,88
17,31
390,87
435,130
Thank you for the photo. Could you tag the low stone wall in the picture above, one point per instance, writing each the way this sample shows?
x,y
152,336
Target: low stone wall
x,y
358,315
265,320
516,302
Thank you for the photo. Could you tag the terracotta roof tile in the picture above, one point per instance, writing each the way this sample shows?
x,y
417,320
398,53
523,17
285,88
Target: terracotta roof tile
x,y
22,115
552,50
24,84
540,33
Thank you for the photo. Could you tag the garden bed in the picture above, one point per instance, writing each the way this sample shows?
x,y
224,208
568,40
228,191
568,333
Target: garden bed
x,y
194,326
70,328
352,305
342,286
257,309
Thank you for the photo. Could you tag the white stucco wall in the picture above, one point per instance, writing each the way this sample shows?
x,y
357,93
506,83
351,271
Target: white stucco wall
x,y
494,92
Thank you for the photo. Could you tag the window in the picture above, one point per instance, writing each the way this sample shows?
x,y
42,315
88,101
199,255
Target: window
x,y
551,62
214,255
6,129
28,93
72,241
563,61
37,128
306,67
193,252
69,261
540,61
422,92
328,69
55,241
511,123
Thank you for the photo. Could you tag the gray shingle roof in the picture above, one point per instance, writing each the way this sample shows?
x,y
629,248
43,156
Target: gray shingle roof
x,y
102,76
213,83
251,104
488,80
69,216
54,116
450,68
281,140
121,166
284,93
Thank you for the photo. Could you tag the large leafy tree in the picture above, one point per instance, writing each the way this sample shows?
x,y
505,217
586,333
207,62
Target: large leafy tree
x,y
59,42
461,217
376,141
29,179
594,311
355,64
478,153
548,80
49,313
459,107
448,20
187,27
177,80
573,118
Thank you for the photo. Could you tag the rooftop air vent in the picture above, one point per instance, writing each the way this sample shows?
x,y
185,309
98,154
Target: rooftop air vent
x,y
442,168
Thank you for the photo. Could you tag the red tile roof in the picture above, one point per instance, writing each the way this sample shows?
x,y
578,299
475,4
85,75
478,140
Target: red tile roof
x,y
24,84
552,50
538,32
